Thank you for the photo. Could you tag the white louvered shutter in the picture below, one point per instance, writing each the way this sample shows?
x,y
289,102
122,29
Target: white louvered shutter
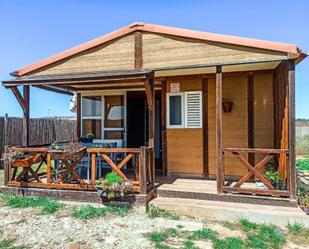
x,y
193,109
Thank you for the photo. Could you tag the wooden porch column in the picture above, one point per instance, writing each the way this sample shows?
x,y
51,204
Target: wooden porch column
x,y
291,122
205,127
150,94
163,127
78,115
24,101
219,128
250,110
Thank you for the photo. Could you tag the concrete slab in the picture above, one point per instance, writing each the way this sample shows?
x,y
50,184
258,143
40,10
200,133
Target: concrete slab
x,y
225,211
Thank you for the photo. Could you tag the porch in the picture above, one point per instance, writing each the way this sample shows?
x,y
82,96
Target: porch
x,y
157,150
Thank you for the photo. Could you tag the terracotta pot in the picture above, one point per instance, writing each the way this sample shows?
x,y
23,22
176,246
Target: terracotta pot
x,y
227,105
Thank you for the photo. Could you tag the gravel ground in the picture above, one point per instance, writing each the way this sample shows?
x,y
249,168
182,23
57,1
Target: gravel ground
x,y
31,229
34,230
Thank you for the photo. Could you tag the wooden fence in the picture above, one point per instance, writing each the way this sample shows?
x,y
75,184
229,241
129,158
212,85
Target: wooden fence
x,y
42,131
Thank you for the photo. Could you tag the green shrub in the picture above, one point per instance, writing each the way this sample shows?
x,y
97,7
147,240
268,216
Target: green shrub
x,y
111,178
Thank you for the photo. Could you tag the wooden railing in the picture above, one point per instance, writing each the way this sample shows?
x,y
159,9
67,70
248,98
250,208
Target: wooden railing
x,y
255,172
33,173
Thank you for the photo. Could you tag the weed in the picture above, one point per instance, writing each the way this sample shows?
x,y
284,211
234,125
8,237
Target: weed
x,y
89,212
47,206
157,237
188,244
9,244
155,212
119,211
204,233
295,228
247,225
229,243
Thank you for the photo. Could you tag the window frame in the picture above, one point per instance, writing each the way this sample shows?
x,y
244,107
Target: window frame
x,y
184,118
168,95
102,116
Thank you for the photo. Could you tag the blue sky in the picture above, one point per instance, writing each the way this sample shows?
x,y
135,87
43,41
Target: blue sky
x,y
31,30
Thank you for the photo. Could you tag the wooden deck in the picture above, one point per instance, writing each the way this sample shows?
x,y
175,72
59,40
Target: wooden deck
x,y
207,190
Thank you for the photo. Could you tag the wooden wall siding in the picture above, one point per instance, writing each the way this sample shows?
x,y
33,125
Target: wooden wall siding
x,y
263,113
184,145
168,51
184,151
116,55
235,124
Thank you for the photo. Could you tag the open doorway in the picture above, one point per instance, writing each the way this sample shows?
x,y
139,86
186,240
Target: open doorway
x,y
137,123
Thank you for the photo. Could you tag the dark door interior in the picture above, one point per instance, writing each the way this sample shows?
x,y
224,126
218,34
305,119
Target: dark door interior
x,y
137,122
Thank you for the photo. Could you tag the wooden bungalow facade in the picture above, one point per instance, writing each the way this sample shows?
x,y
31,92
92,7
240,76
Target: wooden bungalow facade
x,y
207,106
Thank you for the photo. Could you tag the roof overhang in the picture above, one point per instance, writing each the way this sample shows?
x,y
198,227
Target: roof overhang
x,y
292,51
83,81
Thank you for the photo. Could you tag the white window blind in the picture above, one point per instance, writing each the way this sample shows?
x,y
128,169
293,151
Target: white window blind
x,y
193,109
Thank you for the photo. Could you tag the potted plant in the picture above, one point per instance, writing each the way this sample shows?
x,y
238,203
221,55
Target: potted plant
x,y
113,189
17,158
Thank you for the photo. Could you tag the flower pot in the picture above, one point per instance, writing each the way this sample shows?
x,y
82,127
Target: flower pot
x,y
227,105
127,201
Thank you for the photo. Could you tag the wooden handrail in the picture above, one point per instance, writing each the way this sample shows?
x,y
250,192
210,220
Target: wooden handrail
x,y
255,150
28,149
111,150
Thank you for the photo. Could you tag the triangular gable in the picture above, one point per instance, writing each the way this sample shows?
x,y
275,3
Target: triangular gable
x,y
292,51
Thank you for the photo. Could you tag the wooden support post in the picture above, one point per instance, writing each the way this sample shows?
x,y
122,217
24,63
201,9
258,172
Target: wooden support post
x,y
24,102
26,121
205,127
143,170
250,110
78,115
291,123
48,167
138,49
163,126
93,167
150,93
7,170
219,128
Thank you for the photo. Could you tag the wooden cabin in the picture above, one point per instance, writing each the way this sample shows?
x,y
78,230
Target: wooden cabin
x,y
211,106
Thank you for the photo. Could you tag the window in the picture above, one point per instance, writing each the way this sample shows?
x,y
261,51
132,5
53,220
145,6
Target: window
x,y
175,110
103,116
184,110
92,116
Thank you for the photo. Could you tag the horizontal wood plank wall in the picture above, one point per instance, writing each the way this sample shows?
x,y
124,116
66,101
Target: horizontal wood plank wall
x,y
184,145
168,51
235,126
263,113
115,55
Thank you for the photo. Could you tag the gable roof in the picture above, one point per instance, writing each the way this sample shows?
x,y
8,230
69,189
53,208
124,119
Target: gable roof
x,y
292,51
